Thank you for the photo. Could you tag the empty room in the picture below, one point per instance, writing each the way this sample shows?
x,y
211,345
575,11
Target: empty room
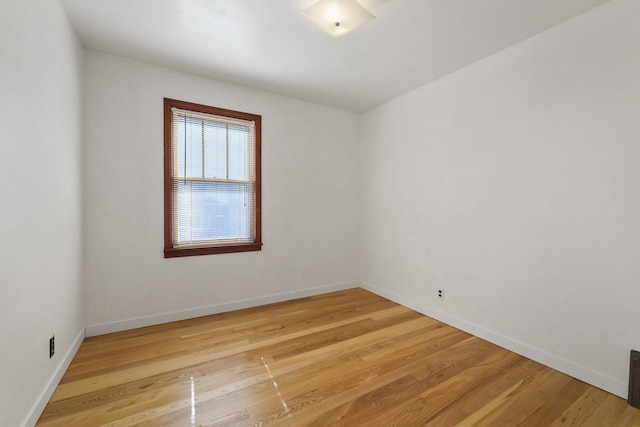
x,y
320,212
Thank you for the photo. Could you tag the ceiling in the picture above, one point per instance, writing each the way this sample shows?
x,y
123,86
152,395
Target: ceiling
x,y
269,45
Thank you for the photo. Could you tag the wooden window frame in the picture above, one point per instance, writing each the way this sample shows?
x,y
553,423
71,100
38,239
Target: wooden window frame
x,y
170,251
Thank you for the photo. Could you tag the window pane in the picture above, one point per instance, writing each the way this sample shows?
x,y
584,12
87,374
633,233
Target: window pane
x,y
189,147
215,148
213,210
238,152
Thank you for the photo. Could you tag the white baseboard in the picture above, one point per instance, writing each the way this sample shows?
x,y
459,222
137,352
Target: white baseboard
x,y
140,322
43,398
595,378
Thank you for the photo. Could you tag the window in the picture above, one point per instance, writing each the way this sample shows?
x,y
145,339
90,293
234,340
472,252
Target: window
x,y
212,200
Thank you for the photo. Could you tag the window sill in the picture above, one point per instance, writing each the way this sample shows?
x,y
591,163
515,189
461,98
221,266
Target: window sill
x,y
181,252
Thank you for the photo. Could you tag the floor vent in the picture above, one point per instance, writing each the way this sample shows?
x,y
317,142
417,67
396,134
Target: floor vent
x,y
634,379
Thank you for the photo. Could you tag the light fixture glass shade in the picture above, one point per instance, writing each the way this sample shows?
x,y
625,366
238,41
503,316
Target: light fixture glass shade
x,y
338,17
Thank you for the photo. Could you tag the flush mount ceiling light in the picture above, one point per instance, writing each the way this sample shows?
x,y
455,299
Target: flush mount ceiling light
x,y
338,17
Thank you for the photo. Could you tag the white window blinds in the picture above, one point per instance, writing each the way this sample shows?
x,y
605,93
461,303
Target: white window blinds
x,y
213,179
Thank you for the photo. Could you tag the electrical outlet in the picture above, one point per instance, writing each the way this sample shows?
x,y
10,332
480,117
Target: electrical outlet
x,y
52,346
441,294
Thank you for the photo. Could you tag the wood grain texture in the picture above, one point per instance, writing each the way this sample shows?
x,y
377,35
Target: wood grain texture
x,y
348,358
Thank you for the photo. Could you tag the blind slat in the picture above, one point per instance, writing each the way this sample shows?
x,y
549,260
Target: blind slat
x,y
214,119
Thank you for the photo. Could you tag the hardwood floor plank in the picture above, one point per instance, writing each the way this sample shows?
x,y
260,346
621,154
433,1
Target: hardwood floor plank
x,y
559,401
437,397
418,365
531,394
229,329
348,358
477,404
253,371
184,360
581,409
607,413
630,417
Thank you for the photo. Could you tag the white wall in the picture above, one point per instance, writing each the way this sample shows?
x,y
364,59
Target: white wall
x,y
513,185
310,173
40,211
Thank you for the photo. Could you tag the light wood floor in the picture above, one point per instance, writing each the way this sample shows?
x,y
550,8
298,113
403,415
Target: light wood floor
x,y
342,359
